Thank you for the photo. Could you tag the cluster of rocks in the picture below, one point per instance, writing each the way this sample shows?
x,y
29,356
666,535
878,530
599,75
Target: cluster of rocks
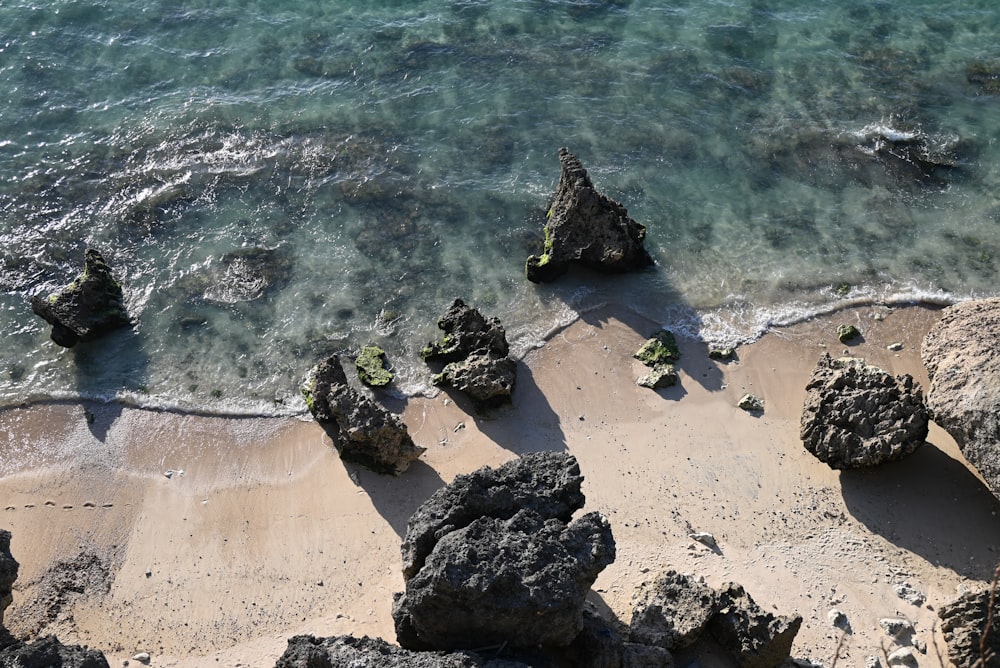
x,y
475,354
497,572
659,352
46,652
586,227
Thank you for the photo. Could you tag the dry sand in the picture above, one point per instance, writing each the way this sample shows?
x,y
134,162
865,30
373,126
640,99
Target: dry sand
x,y
266,533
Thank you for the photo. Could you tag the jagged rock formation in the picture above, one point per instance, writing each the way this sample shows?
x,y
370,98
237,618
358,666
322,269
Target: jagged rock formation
x,y
46,652
363,431
312,652
494,559
675,611
960,353
587,227
371,366
475,352
856,415
671,611
88,307
659,352
963,622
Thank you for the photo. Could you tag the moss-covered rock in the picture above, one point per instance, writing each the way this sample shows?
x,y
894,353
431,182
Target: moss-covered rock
x,y
847,333
372,367
661,348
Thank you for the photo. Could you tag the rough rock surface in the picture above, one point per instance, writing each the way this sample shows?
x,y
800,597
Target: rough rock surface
x,y
47,652
88,307
365,433
671,611
475,352
675,611
371,366
8,573
312,652
598,645
493,558
856,415
960,353
963,622
587,227
753,636
547,483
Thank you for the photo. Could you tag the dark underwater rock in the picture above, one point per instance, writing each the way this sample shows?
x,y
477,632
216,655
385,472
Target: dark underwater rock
x,y
364,432
87,308
587,227
856,415
961,355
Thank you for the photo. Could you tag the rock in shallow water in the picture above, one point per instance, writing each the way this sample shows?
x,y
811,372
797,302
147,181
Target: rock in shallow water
x,y
961,356
587,227
90,306
856,415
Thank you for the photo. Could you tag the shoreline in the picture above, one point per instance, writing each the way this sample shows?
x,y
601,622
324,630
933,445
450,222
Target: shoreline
x,y
262,532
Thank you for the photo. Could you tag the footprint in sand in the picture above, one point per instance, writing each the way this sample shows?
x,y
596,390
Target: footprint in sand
x,y
29,505
68,506
50,503
10,508
89,504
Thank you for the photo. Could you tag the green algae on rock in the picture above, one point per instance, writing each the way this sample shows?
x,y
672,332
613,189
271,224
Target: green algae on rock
x,y
372,369
847,333
661,348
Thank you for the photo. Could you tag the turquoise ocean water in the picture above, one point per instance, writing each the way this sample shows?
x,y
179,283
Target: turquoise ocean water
x,y
277,181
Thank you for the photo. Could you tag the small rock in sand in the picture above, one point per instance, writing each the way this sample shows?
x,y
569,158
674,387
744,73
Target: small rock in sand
x,y
902,657
142,657
906,592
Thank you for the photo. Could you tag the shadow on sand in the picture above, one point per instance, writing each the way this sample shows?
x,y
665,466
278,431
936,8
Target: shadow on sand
x,y
117,362
931,505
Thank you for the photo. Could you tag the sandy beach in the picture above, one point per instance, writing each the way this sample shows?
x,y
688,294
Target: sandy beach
x,y
260,532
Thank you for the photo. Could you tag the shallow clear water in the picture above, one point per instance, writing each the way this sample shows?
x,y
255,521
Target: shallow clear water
x,y
274,182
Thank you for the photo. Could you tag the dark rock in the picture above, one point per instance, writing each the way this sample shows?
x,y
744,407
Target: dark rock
x,y
493,559
466,331
312,652
47,652
547,483
963,622
661,348
247,274
520,581
960,353
475,351
856,415
751,403
364,432
635,655
598,645
985,74
8,573
371,365
847,333
754,637
85,309
671,611
587,227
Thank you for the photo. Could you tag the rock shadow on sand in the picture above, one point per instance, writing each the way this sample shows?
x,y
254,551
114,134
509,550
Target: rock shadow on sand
x,y
396,498
931,505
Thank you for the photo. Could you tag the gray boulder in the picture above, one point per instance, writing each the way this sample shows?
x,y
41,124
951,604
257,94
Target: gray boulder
x,y
963,622
587,227
856,415
312,652
754,637
8,573
494,558
475,352
960,353
363,431
671,611
87,308
520,581
547,483
47,652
